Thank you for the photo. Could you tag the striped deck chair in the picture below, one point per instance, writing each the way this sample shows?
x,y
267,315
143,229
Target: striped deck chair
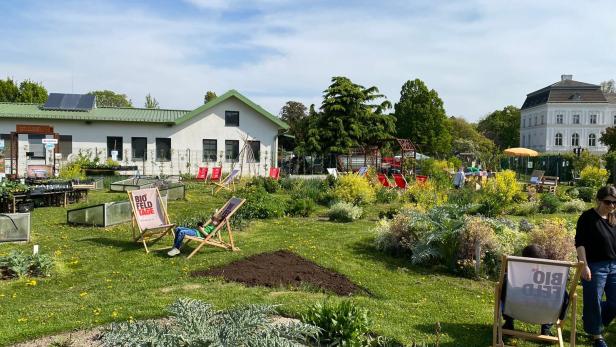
x,y
149,216
228,182
400,181
384,180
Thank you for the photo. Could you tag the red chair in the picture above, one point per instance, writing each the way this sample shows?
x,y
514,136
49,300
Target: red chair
x,y
202,174
216,173
274,172
400,181
421,179
383,179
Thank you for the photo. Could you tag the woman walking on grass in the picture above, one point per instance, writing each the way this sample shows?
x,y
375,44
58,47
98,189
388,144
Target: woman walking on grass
x,y
595,242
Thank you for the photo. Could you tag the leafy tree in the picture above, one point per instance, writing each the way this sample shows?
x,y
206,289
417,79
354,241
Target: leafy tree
x,y
420,116
608,138
502,127
467,139
151,102
348,111
608,87
32,92
209,96
294,114
108,98
8,90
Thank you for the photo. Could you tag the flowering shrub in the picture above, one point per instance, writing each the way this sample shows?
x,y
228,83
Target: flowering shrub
x,y
592,176
549,203
587,193
354,189
504,186
476,231
525,208
425,194
555,238
344,212
386,195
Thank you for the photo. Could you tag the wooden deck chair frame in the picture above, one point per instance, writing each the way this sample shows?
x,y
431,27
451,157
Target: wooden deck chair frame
x,y
498,332
332,171
151,235
215,238
362,171
227,183
400,178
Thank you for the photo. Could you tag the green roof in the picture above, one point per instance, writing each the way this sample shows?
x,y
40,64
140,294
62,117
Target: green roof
x,y
121,114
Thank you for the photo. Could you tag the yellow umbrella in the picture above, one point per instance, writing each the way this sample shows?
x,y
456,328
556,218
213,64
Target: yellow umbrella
x,y
521,152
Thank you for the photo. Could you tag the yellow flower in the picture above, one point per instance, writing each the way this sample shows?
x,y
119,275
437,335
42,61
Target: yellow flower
x,y
114,314
57,253
96,311
22,320
82,294
31,282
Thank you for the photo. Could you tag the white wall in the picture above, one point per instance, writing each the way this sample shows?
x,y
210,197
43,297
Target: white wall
x,y
543,136
186,139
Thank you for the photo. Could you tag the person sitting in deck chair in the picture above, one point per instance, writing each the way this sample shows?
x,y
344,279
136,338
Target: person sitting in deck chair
x,y
533,251
201,231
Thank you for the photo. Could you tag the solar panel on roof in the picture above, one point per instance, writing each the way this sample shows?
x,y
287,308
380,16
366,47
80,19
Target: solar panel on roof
x,y
69,102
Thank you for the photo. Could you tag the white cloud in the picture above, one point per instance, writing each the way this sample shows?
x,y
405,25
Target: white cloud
x,y
479,55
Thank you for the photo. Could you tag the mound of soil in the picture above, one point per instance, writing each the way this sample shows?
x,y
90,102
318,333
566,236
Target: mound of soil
x,y
280,269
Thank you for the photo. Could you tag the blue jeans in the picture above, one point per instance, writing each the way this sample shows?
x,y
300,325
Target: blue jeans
x,y
180,232
598,314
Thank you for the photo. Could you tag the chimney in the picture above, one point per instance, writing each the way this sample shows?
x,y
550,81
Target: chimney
x,y
566,77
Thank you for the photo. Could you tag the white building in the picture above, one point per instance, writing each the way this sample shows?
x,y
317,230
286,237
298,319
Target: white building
x,y
566,115
157,141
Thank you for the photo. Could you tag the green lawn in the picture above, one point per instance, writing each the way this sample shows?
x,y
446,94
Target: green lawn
x,y
101,276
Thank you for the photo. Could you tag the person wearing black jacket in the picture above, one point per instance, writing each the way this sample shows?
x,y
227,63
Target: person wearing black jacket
x,y
595,242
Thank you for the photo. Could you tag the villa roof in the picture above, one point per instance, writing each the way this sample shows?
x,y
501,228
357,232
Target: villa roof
x,y
123,114
566,91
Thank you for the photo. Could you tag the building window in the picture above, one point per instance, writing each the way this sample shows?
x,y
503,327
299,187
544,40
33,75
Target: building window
x,y
114,143
255,147
576,119
615,119
232,118
592,140
542,119
163,149
232,150
575,140
36,147
210,148
139,146
558,139
559,119
6,152
535,120
593,119
65,145
524,122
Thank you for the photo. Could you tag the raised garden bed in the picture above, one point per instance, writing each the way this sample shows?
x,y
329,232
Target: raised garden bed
x,y
14,227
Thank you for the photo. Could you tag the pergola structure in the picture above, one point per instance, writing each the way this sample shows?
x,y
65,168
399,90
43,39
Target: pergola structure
x,y
28,129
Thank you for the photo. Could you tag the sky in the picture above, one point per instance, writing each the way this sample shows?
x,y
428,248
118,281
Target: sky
x,y
479,56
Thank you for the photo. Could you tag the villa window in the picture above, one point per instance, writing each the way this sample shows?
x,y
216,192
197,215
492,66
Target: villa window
x,y
576,119
575,140
592,140
615,119
593,119
559,119
542,119
558,139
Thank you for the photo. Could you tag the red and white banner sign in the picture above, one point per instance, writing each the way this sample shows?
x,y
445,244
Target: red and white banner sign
x,y
147,208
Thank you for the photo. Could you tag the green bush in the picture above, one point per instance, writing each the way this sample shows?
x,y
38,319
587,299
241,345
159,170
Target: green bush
x,y
572,206
592,176
386,195
464,196
196,323
587,193
555,239
259,204
71,171
269,184
19,264
573,193
525,208
301,207
549,203
354,189
525,225
344,212
342,324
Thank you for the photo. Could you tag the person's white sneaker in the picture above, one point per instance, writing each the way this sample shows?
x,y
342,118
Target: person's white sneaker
x,y
173,252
